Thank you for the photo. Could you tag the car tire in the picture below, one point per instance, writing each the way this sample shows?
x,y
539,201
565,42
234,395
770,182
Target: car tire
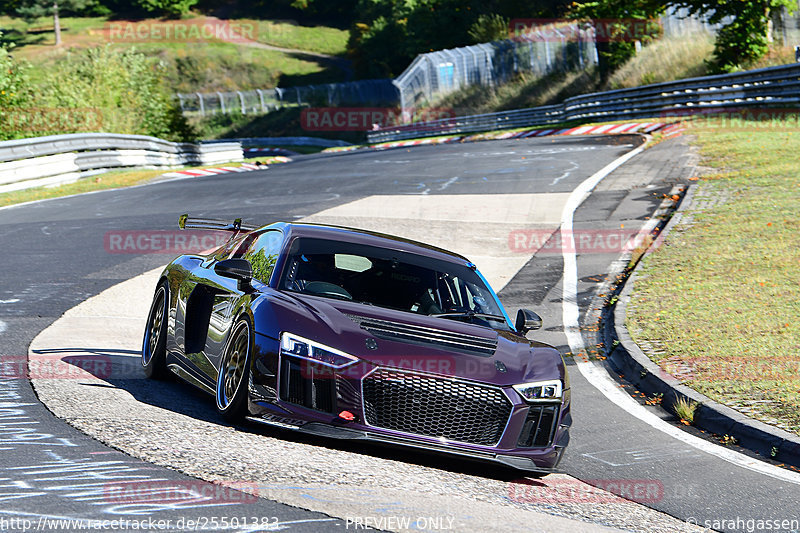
x,y
154,345
234,373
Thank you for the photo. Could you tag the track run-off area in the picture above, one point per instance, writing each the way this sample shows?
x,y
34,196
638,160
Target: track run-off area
x,y
499,203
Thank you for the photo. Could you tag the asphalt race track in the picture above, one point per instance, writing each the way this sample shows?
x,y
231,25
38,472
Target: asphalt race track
x,y
57,254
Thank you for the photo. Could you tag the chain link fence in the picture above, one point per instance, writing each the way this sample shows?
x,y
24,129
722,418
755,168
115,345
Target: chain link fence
x,y
355,93
438,73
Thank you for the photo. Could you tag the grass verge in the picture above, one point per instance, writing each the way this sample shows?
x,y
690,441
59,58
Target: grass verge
x,y
719,302
114,179
110,180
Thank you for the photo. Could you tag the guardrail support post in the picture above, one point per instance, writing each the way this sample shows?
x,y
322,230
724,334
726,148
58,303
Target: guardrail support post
x,y
202,107
241,102
261,99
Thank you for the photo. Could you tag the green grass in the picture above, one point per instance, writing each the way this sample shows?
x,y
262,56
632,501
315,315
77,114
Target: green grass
x,y
114,179
110,180
722,297
685,410
229,67
320,39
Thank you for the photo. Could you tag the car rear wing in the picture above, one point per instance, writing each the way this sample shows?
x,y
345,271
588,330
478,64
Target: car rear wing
x,y
184,222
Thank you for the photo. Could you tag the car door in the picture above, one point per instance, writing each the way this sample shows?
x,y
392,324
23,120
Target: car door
x,y
204,294
226,299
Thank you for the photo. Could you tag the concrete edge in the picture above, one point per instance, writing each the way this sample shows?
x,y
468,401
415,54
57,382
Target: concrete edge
x,y
649,378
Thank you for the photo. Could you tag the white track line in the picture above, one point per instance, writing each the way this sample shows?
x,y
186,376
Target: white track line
x,y
597,376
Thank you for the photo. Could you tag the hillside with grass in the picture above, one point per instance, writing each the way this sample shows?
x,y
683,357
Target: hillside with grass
x,y
263,53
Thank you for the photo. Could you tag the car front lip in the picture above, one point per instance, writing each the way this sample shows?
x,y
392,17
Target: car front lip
x,y
522,460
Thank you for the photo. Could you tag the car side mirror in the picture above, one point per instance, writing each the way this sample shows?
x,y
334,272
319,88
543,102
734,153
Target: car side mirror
x,y
238,269
527,320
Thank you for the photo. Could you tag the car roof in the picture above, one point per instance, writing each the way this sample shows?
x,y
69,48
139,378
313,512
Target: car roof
x,y
371,238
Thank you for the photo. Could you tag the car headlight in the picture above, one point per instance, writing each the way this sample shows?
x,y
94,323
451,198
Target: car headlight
x,y
297,346
541,390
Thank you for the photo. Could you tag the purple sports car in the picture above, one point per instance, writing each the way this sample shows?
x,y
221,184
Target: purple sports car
x,y
348,334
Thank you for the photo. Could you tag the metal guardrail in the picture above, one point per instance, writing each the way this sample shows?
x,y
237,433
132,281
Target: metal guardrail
x,y
46,160
250,142
767,87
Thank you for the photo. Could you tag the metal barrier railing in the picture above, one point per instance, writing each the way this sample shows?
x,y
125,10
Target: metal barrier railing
x,y
72,154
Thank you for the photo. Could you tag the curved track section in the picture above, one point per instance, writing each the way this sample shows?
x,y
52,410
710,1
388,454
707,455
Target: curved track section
x,y
465,210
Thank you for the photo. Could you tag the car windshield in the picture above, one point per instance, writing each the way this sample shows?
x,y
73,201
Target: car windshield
x,y
391,279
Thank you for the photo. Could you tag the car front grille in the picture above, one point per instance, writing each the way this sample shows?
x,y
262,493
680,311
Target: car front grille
x,y
431,406
539,426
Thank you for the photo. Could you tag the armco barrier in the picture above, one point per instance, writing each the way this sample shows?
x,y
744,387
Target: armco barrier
x,y
258,142
767,87
61,158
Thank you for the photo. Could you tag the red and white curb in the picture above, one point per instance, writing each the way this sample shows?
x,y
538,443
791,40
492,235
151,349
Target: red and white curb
x,y
604,129
197,172
342,149
665,128
417,142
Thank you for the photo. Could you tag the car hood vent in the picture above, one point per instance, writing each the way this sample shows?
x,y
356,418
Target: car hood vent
x,y
398,331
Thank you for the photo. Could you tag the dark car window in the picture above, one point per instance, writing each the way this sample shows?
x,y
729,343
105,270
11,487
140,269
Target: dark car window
x,y
389,278
263,253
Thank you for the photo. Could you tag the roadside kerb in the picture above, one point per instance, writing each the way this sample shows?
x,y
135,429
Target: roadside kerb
x,y
650,378
595,129
197,172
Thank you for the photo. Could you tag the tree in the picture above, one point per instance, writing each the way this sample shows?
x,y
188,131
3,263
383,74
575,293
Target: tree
x,y
744,36
614,21
489,28
171,8
122,91
15,96
32,9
